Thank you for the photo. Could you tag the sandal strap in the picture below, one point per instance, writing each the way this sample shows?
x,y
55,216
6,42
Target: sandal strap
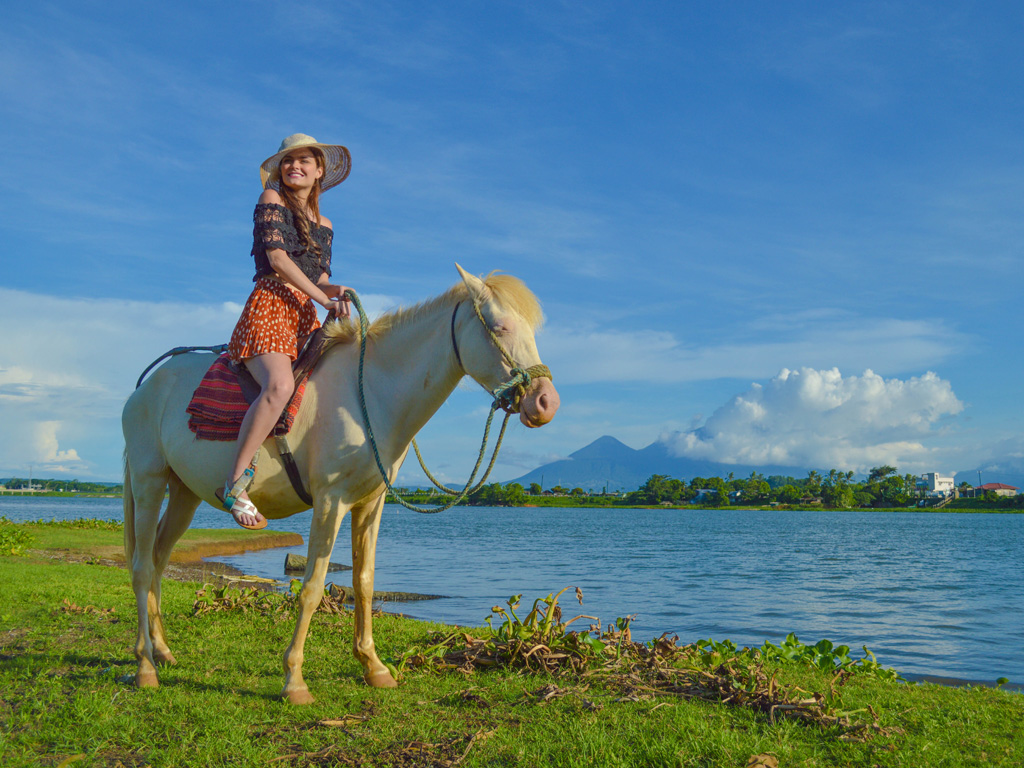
x,y
244,506
242,483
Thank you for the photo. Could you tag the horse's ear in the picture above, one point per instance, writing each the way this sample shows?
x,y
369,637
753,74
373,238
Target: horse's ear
x,y
477,288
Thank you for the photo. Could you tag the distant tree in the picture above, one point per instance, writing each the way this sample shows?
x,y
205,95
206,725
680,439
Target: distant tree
x,y
514,494
862,498
788,494
755,491
492,495
655,489
813,483
909,485
719,498
892,492
535,489
836,492
837,496
878,474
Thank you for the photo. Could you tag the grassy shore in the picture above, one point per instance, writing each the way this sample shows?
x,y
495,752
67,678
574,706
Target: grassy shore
x,y
66,694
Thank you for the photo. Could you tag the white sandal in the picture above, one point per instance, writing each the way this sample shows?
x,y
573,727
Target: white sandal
x,y
241,507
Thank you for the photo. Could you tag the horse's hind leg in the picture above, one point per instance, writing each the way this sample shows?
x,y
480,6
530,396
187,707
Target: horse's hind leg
x,y
181,507
148,485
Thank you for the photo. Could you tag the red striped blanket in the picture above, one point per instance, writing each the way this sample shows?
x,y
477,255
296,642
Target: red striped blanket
x,y
218,405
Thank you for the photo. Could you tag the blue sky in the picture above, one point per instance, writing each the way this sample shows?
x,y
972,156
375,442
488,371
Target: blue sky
x,y
785,230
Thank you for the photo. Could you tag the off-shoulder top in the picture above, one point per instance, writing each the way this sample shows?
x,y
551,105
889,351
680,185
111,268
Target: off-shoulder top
x,y
274,227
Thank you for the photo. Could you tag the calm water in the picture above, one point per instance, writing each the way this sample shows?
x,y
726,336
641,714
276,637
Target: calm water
x,y
929,593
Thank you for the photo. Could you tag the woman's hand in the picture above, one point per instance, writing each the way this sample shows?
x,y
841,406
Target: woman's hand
x,y
338,305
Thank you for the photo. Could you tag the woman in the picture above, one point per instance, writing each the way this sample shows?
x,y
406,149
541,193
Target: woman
x,y
292,248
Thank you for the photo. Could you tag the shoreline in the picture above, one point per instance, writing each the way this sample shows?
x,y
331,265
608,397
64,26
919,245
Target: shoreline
x,y
565,502
192,569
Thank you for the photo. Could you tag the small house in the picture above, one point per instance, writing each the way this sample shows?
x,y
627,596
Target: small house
x,y
999,489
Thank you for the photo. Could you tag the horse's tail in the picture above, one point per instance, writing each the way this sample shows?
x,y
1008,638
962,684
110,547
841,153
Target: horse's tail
x,y
129,515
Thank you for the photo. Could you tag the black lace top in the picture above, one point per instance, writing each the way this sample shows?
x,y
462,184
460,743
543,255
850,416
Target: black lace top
x,y
274,227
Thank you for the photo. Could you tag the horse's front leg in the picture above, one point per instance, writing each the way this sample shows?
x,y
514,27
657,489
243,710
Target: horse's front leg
x,y
365,524
327,516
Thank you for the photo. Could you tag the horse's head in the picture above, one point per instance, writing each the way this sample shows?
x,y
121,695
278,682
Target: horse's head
x,y
493,333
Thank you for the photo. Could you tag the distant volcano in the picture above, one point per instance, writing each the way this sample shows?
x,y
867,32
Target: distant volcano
x,y
609,464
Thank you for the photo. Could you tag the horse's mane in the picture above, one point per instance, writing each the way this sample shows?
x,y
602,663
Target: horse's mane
x,y
510,292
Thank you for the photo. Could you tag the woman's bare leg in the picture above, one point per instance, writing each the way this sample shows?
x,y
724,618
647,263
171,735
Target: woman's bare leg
x,y
273,372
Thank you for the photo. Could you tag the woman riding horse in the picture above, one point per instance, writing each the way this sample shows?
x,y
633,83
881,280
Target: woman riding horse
x,y
292,248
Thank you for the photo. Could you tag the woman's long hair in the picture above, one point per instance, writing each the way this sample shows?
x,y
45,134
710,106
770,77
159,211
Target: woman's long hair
x,y
301,214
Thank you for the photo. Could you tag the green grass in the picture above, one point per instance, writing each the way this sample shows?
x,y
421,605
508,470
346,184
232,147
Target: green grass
x,y
66,632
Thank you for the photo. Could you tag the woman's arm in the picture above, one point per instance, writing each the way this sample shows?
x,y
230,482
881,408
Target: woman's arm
x,y
287,269
283,265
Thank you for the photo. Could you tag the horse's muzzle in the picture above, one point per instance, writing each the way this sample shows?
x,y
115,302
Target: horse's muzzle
x,y
539,403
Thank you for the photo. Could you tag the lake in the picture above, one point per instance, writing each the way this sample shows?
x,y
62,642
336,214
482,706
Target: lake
x,y
933,594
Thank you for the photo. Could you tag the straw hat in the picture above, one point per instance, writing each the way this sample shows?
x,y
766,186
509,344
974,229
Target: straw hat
x,y
338,161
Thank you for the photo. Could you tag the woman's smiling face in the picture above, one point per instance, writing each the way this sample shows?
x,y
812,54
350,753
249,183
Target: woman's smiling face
x,y
300,170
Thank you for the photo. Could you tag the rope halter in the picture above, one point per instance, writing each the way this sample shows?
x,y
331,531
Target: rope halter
x,y
509,395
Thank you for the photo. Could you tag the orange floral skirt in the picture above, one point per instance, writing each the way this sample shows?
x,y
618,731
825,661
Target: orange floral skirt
x,y
274,318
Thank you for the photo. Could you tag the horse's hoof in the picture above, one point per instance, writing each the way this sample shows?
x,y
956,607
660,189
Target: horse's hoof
x,y
299,696
164,657
146,679
380,680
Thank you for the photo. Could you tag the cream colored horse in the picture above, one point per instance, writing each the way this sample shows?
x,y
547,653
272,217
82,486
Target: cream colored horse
x,y
412,365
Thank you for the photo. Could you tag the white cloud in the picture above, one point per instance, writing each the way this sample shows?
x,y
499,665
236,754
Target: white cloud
x,y
65,375
818,418
47,449
819,339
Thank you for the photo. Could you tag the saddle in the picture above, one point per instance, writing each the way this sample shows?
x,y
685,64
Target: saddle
x,y
223,397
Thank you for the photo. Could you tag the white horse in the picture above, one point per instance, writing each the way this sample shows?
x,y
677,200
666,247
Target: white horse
x,y
414,360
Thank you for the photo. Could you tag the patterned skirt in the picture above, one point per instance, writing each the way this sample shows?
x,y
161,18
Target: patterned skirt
x,y
274,318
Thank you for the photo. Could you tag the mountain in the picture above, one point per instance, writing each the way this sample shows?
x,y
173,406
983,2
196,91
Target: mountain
x,y
609,463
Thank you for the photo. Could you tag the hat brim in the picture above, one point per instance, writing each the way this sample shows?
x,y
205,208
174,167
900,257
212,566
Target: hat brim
x,y
337,164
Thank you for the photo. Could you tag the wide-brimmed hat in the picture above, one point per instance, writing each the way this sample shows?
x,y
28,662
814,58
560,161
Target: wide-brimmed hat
x,y
338,162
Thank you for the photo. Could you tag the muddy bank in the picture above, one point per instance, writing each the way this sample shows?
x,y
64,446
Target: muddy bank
x,y
197,545
194,551
187,559
198,570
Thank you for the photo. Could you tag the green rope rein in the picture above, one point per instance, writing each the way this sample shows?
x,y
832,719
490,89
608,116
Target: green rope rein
x,y
506,397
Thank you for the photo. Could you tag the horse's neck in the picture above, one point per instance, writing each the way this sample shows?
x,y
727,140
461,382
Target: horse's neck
x,y
410,372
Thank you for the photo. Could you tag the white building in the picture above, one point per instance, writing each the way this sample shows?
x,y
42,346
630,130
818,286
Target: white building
x,y
936,484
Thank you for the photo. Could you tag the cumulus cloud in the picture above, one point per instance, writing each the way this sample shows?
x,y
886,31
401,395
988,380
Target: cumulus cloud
x,y
818,418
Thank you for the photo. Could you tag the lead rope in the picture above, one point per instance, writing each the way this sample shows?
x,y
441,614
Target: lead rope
x,y
521,379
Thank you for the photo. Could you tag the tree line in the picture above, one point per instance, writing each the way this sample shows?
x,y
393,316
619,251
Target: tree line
x,y
75,486
884,487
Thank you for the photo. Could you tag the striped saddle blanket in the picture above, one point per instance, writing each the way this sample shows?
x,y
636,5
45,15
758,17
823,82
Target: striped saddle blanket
x,y
220,402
